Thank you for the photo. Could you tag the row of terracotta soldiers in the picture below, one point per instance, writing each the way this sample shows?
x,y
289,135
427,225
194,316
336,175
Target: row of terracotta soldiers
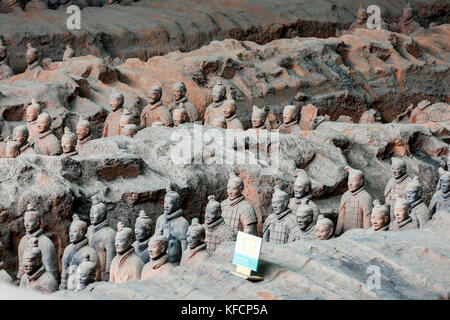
x,y
404,207
37,5
407,24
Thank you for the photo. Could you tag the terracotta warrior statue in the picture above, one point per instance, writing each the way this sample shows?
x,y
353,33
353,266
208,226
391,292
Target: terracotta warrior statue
x,y
380,217
179,115
101,236
290,120
12,149
397,184
5,278
229,111
45,142
126,118
143,231
196,250
74,253
85,274
215,109
35,5
20,135
112,122
259,119
306,226
16,6
324,228
154,110
179,95
407,23
172,223
32,222
419,210
361,20
280,224
35,276
69,143
219,122
236,211
216,230
159,259
441,199
68,53
356,204
303,193
33,111
32,58
83,131
402,218
5,70
126,265
129,130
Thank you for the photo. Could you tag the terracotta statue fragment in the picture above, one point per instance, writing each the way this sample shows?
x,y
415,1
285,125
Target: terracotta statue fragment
x,y
407,23
83,131
112,122
236,211
216,230
179,95
219,122
179,115
303,193
33,111
129,130
380,217
5,70
290,120
49,258
68,53
215,109
370,116
20,135
419,210
280,224
74,253
196,250
441,198
101,236
172,223
259,119
126,265
143,231
154,110
69,143
45,142
324,228
35,276
85,274
361,20
397,184
229,111
306,227
5,278
159,259
12,149
356,204
32,58
35,5
403,219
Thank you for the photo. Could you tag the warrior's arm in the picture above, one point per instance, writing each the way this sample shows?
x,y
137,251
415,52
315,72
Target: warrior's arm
x,y
110,254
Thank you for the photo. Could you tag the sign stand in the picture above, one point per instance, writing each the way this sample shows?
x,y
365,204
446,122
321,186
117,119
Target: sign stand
x,y
246,256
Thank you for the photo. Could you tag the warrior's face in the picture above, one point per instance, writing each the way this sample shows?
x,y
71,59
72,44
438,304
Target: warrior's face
x,y
413,194
397,170
156,249
323,232
178,93
12,151
76,233
408,13
122,243
82,279
141,231
258,120
42,124
229,110
445,184
378,221
82,131
218,93
154,95
304,219
361,16
179,117
31,57
279,205
97,215
233,191
31,222
20,137
68,145
401,213
170,204
212,214
194,239
115,103
30,265
301,190
288,115
354,183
